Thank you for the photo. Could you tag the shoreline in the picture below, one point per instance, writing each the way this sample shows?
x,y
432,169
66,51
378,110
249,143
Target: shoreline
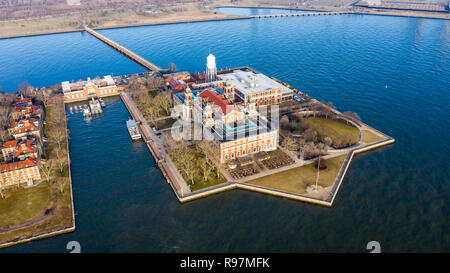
x,y
411,14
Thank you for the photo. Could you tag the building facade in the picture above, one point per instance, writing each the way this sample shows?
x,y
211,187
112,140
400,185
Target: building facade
x,y
18,173
84,90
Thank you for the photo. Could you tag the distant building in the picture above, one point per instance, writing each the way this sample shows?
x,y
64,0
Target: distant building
x,y
84,90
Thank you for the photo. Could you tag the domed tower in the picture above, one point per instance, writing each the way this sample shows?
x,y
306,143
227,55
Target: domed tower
x,y
208,115
229,91
211,70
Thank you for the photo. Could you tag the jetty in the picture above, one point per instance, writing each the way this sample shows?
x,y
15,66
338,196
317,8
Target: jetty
x,y
95,106
125,51
302,14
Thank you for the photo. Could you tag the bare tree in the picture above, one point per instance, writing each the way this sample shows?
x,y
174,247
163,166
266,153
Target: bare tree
x,y
315,107
61,184
310,135
172,67
24,88
284,123
206,166
47,169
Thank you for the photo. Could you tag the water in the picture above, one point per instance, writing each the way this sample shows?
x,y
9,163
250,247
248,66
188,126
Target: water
x,y
394,72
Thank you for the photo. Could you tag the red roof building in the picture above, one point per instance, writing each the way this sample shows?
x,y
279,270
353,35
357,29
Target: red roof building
x,y
215,99
20,172
25,127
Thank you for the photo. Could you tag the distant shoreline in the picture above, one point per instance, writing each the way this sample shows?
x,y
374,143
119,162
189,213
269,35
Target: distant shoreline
x,y
411,14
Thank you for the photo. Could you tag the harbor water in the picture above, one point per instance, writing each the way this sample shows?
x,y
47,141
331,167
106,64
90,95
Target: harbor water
x,y
393,71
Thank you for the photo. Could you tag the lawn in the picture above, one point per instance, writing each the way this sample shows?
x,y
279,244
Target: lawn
x,y
340,133
165,123
297,180
199,183
60,218
369,137
23,205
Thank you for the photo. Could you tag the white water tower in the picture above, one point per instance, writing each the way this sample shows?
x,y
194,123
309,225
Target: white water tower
x,y
211,70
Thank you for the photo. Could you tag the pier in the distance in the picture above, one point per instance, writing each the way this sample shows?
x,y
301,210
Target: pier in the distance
x,y
130,54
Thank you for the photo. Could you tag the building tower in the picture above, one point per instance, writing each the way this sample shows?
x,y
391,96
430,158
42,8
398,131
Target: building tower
x,y
211,70
187,107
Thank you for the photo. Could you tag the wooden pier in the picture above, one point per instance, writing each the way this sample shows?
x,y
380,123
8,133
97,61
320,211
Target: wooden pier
x,y
302,14
130,54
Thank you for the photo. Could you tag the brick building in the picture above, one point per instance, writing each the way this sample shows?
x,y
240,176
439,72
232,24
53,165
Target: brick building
x,y
84,90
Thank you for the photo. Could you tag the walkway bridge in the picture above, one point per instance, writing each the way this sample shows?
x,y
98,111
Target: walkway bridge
x,y
302,14
130,54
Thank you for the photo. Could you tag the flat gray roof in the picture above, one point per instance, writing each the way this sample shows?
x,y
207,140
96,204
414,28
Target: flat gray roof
x,y
248,82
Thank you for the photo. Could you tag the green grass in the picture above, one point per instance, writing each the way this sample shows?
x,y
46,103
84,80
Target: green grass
x,y
340,133
61,217
165,123
369,137
296,180
199,183
15,210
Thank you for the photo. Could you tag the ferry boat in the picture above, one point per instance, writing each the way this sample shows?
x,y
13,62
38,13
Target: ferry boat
x,y
133,130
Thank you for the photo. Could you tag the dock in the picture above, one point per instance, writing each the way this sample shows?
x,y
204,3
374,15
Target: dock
x,y
302,14
165,164
125,51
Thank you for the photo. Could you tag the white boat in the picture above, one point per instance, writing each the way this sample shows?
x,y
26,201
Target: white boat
x,y
133,130
86,112
102,103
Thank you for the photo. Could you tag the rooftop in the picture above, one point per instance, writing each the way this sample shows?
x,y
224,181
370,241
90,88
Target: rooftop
x,y
248,82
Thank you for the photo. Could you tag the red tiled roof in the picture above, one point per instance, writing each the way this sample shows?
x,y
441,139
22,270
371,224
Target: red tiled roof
x,y
17,165
10,144
214,99
28,126
25,147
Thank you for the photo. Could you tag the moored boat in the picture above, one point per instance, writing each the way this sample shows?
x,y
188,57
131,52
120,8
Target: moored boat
x,y
133,130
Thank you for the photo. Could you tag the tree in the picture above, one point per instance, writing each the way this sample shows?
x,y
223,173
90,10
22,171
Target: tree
x,y
206,166
315,107
352,115
172,68
328,141
322,165
24,88
61,184
47,169
310,135
284,123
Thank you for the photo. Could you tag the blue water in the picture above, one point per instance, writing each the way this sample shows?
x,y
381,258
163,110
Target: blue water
x,y
392,71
